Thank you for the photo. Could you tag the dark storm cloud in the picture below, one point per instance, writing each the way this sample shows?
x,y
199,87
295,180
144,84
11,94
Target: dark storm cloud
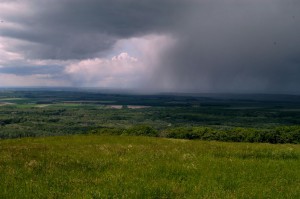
x,y
236,46
76,29
221,45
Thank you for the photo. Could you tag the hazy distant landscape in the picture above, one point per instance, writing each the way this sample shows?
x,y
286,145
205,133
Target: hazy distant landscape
x,y
239,118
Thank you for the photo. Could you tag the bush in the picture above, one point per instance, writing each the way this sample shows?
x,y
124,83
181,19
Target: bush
x,y
141,130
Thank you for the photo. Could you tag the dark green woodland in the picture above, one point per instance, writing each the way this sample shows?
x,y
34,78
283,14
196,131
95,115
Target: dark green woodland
x,y
237,118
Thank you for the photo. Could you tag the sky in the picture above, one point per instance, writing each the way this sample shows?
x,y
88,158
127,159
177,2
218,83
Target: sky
x,y
220,46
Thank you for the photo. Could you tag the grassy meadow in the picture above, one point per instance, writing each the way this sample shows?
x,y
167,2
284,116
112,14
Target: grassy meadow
x,y
99,166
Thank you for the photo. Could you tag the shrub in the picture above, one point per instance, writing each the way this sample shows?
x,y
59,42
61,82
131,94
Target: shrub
x,y
141,130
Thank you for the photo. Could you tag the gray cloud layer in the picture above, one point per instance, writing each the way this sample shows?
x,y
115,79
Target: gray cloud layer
x,y
231,46
76,29
222,45
23,70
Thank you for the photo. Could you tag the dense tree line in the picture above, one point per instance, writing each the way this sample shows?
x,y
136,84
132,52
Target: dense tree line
x,y
284,134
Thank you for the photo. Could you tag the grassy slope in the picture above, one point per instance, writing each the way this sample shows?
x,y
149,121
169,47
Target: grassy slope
x,y
140,167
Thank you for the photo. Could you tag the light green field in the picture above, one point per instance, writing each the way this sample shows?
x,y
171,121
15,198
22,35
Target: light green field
x,y
141,167
12,99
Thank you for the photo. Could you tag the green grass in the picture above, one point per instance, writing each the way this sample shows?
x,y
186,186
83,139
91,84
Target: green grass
x,y
141,167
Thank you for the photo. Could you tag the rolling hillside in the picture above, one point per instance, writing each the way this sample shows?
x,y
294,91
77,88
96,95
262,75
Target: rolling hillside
x,y
94,166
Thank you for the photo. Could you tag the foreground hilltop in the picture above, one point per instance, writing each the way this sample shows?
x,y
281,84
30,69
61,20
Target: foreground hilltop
x,y
141,167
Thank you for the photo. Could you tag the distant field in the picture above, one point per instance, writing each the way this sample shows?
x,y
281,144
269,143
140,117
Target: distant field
x,y
5,103
142,167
